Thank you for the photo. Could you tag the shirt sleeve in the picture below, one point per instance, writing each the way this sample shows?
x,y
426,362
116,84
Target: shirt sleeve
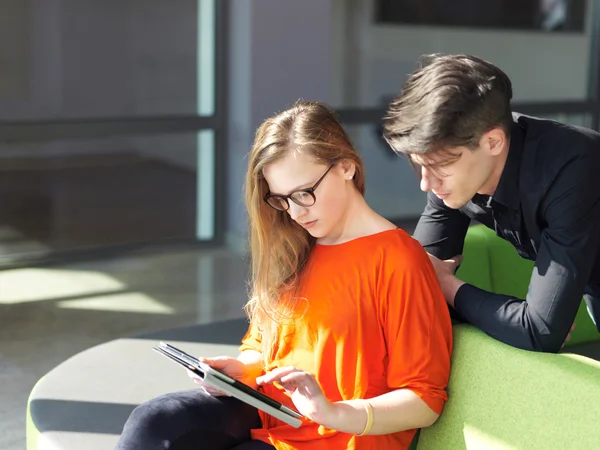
x,y
416,324
567,253
441,230
252,339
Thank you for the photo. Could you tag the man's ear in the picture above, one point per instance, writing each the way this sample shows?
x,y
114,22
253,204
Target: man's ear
x,y
494,141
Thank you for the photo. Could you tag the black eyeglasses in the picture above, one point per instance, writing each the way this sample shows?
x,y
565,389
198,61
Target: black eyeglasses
x,y
302,197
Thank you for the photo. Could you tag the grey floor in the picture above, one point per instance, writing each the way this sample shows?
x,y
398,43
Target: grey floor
x,y
48,314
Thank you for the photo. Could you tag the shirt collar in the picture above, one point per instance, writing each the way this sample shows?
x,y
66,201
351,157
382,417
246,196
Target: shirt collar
x,y
507,192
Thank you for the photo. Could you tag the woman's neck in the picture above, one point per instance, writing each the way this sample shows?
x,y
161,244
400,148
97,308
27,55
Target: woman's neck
x,y
358,220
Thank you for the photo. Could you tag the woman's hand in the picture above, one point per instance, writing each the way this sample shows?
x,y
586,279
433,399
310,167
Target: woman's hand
x,y
229,366
304,391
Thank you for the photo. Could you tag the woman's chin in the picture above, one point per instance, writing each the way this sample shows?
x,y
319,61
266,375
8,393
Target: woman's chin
x,y
317,234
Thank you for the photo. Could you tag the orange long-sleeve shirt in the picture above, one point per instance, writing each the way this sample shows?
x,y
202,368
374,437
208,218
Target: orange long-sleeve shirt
x,y
376,321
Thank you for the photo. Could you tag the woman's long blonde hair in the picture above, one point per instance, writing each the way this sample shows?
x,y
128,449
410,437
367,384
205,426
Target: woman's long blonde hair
x,y
279,246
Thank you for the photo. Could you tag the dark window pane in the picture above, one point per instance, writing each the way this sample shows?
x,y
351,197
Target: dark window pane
x,y
75,195
555,15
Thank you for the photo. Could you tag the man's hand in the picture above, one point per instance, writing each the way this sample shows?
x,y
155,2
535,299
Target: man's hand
x,y
568,335
445,274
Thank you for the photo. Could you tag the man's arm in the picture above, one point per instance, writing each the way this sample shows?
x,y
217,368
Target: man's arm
x,y
441,230
565,258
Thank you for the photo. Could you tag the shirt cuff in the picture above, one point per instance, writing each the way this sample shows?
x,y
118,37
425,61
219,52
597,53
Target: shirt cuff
x,y
468,300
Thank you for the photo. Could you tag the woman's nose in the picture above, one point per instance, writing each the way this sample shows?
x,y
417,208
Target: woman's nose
x,y
295,211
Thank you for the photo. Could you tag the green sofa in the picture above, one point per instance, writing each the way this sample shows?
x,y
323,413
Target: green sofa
x,y
501,397
504,398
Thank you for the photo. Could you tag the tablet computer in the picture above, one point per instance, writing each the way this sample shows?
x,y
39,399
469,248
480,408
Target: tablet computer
x,y
233,387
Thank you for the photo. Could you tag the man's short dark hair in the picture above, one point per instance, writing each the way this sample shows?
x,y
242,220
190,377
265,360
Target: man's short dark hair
x,y
449,101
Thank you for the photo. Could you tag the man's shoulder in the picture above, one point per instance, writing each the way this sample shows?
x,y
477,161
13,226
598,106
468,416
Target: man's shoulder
x,y
553,132
550,146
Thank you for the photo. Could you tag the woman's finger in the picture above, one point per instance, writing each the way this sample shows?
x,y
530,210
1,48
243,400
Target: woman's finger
x,y
275,375
304,378
304,382
217,362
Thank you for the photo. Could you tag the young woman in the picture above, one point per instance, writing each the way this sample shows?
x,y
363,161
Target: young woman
x,y
348,324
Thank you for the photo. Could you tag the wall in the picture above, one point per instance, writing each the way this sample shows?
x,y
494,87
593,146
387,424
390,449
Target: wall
x,y
279,52
14,45
114,58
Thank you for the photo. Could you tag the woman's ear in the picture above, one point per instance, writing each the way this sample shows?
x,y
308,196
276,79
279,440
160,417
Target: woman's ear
x,y
349,169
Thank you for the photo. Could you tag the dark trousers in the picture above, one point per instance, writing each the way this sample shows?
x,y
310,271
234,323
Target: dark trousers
x,y
191,420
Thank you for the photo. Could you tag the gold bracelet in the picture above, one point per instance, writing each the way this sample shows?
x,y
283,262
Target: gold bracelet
x,y
369,424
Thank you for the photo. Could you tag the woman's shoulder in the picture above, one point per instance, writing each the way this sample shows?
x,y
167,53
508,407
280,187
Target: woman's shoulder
x,y
386,257
397,244
387,254
390,239
391,247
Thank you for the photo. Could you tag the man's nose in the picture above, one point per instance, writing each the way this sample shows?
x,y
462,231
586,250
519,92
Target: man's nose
x,y
428,180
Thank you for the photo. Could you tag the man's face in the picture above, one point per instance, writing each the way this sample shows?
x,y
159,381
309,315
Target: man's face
x,y
455,175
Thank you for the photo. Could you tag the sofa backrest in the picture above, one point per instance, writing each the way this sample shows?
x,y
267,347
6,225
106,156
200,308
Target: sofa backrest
x,y
501,397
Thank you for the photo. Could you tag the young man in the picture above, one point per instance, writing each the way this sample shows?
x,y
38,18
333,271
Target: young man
x,y
534,181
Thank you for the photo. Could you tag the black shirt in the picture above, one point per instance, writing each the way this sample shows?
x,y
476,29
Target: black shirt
x,y
547,205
